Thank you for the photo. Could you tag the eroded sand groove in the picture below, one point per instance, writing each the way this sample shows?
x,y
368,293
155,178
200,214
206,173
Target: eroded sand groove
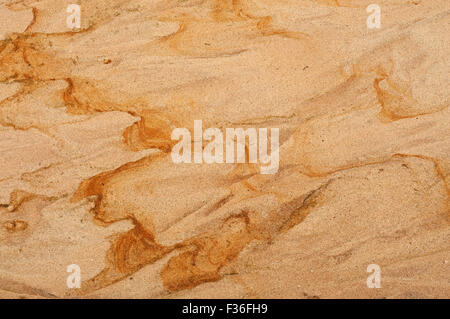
x,y
86,119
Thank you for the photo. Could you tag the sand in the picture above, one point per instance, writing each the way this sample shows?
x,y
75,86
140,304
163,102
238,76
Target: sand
x,y
87,177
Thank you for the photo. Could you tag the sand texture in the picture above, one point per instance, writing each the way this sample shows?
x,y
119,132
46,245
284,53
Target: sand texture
x,y
87,176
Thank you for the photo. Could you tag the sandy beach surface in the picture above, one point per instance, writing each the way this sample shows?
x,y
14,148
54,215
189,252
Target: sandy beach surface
x,y
88,180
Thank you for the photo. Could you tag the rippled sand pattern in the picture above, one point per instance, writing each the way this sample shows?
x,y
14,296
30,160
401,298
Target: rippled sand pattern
x,y
86,175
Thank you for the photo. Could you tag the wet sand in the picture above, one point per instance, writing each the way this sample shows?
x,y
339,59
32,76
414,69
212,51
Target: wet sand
x,y
87,177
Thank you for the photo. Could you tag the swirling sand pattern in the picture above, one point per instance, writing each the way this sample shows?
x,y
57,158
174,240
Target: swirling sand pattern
x,y
86,118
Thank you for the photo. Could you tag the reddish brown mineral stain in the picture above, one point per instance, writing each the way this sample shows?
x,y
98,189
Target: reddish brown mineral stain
x,y
15,225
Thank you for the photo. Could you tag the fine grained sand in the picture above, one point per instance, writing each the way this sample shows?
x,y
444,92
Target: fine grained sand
x,y
86,175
